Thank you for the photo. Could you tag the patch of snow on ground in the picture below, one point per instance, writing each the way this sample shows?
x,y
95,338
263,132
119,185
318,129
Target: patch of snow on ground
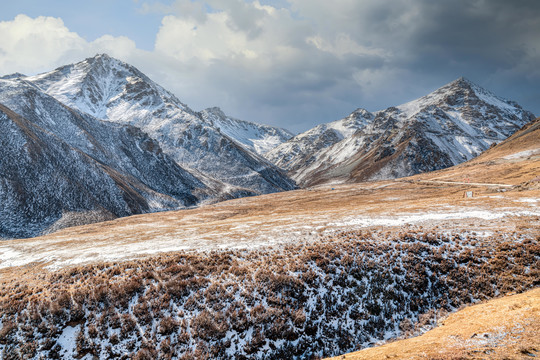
x,y
10,257
57,253
67,341
417,218
531,201
528,200
523,154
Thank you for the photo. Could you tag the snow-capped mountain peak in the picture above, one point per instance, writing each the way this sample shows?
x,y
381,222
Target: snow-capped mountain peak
x,y
349,125
95,83
446,127
110,89
460,92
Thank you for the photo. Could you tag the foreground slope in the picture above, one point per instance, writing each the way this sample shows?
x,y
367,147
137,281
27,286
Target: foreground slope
x,y
449,126
62,167
303,300
112,90
504,328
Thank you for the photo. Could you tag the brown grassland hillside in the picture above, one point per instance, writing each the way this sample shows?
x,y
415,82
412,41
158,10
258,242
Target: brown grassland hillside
x,y
504,328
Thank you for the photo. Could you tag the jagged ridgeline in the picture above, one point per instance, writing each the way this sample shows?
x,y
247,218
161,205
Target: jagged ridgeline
x,y
444,128
113,90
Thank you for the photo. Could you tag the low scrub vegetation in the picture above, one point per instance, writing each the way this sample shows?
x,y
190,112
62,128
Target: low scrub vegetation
x,y
304,300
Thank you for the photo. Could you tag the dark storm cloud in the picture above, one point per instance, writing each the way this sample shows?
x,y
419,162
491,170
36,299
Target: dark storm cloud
x,y
495,43
416,46
496,33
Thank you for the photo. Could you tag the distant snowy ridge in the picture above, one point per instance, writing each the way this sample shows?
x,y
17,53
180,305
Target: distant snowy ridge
x,y
446,127
256,137
12,76
112,90
299,152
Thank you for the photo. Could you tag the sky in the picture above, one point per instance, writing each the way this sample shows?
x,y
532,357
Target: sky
x,y
288,63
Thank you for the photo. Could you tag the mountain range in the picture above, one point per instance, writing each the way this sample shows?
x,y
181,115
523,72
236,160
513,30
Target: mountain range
x,y
115,91
98,139
451,125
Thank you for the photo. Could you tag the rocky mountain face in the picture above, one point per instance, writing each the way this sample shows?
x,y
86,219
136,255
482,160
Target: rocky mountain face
x,y
109,89
62,166
256,137
444,128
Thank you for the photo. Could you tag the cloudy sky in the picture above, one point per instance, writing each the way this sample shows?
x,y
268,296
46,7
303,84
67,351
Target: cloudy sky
x,y
291,63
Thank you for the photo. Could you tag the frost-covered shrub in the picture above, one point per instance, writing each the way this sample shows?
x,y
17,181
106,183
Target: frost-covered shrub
x,y
304,300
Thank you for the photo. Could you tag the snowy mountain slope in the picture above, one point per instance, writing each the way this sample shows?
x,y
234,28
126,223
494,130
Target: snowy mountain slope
x,y
56,160
112,90
449,126
12,76
256,137
300,151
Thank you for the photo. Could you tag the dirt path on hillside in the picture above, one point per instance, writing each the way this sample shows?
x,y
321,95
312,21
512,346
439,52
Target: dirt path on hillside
x,y
464,183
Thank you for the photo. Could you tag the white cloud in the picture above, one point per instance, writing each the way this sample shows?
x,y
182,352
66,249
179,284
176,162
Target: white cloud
x,y
30,45
27,44
235,30
186,39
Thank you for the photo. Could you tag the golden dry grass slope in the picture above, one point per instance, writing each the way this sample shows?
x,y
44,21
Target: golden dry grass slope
x,y
503,328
